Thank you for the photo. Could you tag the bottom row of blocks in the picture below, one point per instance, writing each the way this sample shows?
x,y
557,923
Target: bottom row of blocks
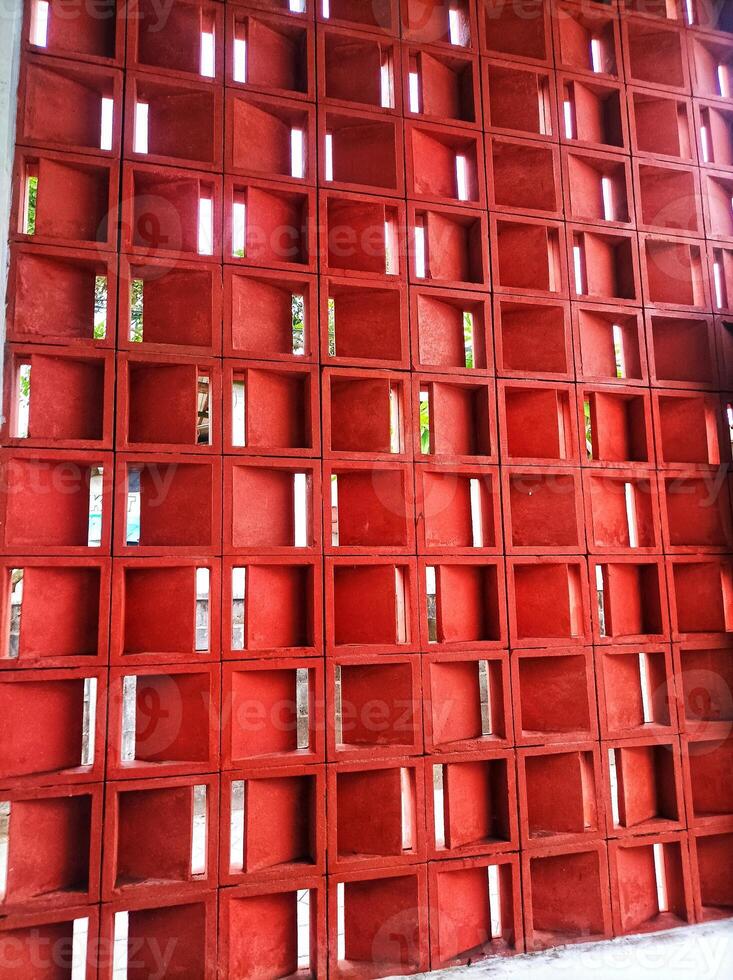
x,y
395,921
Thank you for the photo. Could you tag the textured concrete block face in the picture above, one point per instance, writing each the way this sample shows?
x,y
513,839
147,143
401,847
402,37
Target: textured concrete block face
x,y
366,538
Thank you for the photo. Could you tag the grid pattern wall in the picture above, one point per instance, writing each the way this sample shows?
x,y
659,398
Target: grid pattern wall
x,y
366,538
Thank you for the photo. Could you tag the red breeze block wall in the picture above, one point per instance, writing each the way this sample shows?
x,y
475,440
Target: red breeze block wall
x,y
367,547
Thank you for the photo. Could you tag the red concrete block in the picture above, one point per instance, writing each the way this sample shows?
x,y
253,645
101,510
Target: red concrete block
x,y
272,506
444,165
717,188
56,612
597,187
169,306
188,42
476,910
60,296
170,214
440,22
273,824
714,127
707,764
374,707
458,510
711,55
448,247
362,235
368,508
696,513
376,815
454,419
361,151
622,512
163,720
467,701
636,694
167,505
661,125
273,713
462,603
184,927
701,440
168,404
524,175
358,69
519,99
554,696
162,837
643,786
617,425
366,414
593,112
387,589
704,673
471,804
55,502
25,935
58,398
382,15
538,422
345,306
76,200
450,331
53,727
272,607
543,511
521,35
165,611
720,267
269,53
710,856
609,345
586,38
370,899
54,843
674,273
655,54
638,902
61,103
681,350
440,84
631,600
528,256
669,198
259,928
724,337
605,265
548,602
566,895
271,408
183,124
84,37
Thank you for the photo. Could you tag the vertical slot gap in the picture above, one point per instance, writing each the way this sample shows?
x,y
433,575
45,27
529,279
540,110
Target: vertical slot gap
x,y
297,314
406,809
338,707
239,587
385,81
239,411
31,200
495,901
326,9
340,896
722,76
588,423
303,898
206,225
607,195
119,956
15,613
5,810
208,54
334,510
631,523
400,605
239,67
425,438
239,225
89,721
718,285
101,295
79,944
203,410
619,355
137,287
297,6
729,417
199,830
462,177
107,124
568,111
477,520
132,530
596,54
395,420
142,123
711,429
328,157
414,86
469,340
96,498
646,689
23,401
432,602
331,327
600,599
302,703
455,27
236,826
203,594
660,877
297,153
129,718
391,256
689,10
705,135
561,428
613,780
579,266
484,686
300,510
439,805
421,254
39,23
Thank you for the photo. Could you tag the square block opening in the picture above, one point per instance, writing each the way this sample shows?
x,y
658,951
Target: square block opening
x,y
622,511
524,176
191,39
186,929
358,68
609,345
369,508
476,911
702,596
270,408
365,413
468,702
449,247
705,666
269,316
271,609
654,53
636,691
567,900
454,417
348,306
275,713
592,113
617,426
553,697
538,423
387,589
710,766
458,509
715,133
661,125
597,186
444,165
514,32
711,63
604,266
720,260
529,257
363,235
697,514
464,603
650,885
548,603
471,804
644,787
587,39
361,152
450,333
559,793
359,731
270,53
713,853
442,86
519,99
270,137
669,198
269,225
687,428
272,505
543,511
674,272
94,34
163,306
681,351
631,603
439,22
